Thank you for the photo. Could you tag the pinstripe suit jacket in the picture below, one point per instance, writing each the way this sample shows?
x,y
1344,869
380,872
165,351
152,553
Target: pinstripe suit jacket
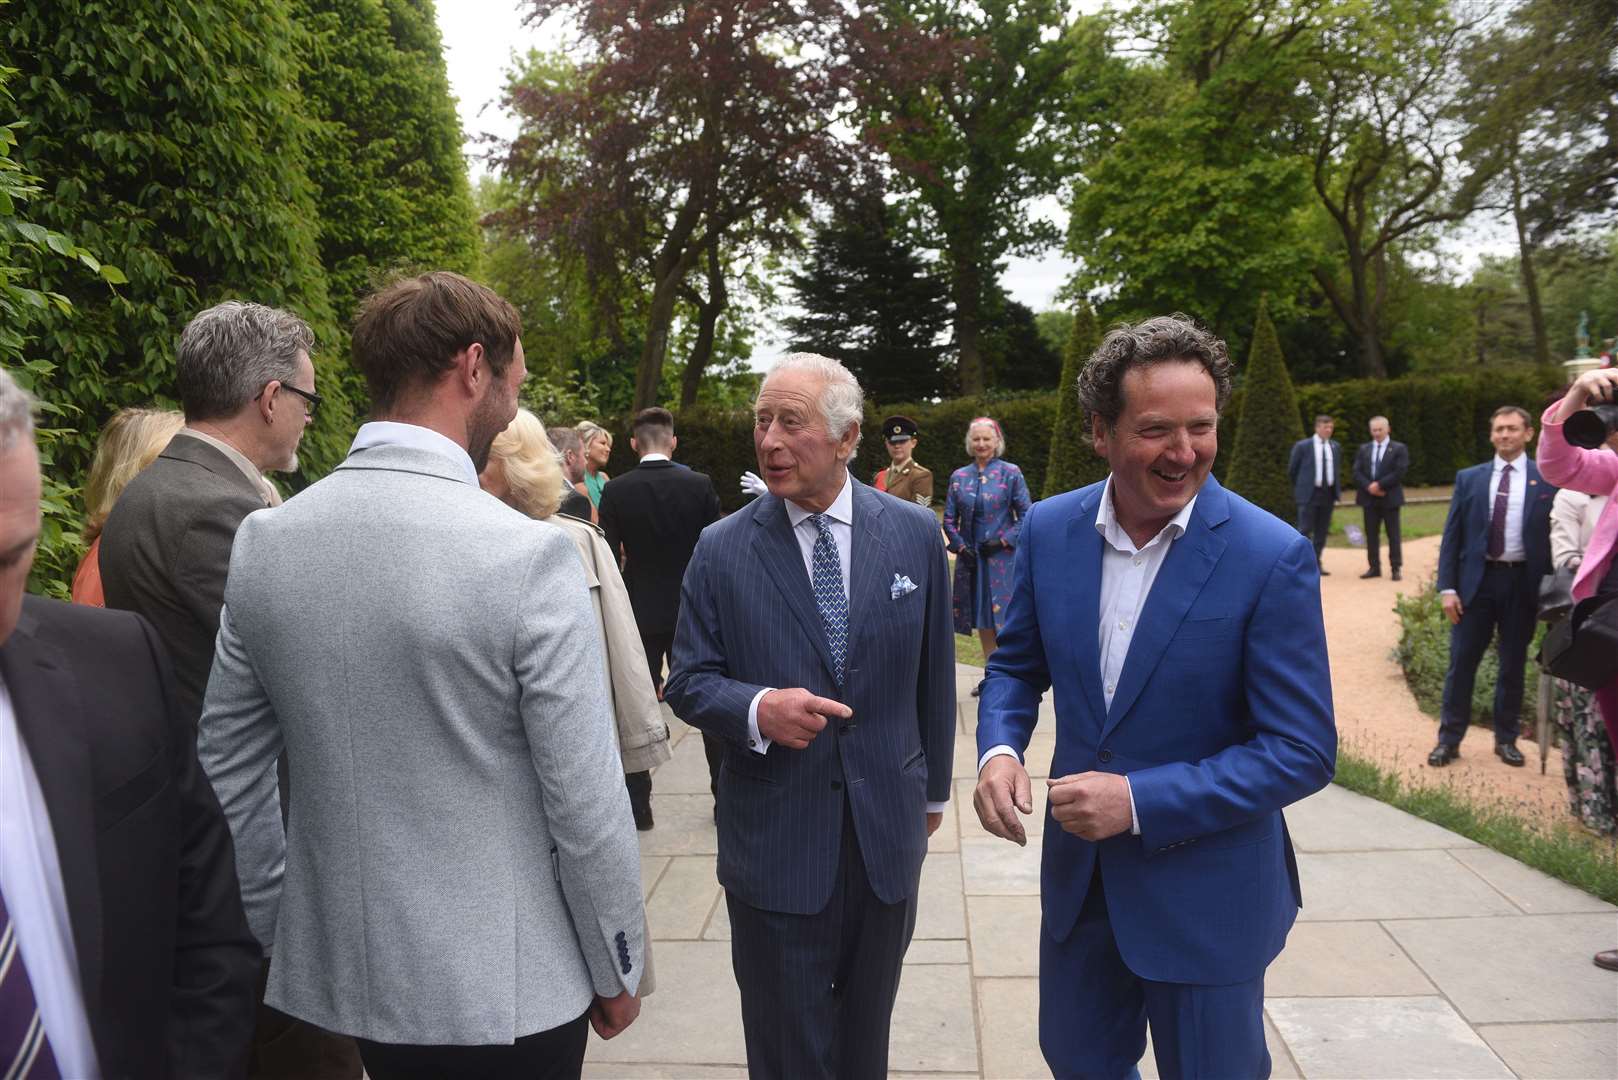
x,y
748,621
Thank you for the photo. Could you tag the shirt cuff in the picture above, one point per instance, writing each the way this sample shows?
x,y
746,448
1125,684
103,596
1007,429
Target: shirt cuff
x,y
1448,592
1134,818
756,742
997,751
937,807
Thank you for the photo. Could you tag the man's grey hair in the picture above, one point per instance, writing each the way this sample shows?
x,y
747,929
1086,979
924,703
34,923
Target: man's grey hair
x,y
565,439
1374,419
230,351
842,401
1154,341
16,412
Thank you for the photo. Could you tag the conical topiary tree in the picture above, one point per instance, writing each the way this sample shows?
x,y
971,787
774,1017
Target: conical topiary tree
x,y
1268,426
1073,462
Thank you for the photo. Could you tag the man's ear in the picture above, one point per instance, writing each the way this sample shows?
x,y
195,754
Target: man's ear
x,y
470,370
266,401
674,444
1098,435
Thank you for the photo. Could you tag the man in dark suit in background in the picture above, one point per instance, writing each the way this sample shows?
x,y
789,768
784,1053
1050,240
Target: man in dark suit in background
x,y
1379,477
575,503
248,389
653,514
1313,469
815,640
123,948
1496,547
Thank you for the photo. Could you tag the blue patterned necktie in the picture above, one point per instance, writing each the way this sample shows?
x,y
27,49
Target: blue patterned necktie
x,y
827,580
25,1052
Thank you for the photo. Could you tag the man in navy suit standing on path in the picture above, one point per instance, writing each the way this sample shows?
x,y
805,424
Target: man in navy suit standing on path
x,y
814,638
1379,487
1496,547
1180,628
1314,468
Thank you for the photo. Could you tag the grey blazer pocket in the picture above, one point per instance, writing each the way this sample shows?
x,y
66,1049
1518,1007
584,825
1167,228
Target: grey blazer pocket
x,y
132,794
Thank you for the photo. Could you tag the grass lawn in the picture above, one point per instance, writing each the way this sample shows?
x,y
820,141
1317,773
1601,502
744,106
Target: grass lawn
x,y
1416,521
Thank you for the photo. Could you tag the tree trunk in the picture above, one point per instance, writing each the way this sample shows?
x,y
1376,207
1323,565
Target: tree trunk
x,y
649,374
967,289
1530,276
708,313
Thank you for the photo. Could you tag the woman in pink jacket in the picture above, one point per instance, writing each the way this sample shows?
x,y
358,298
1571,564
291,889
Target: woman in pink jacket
x,y
1594,472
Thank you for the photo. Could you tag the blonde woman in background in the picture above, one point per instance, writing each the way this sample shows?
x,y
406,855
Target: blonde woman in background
x,y
525,473
597,442
131,441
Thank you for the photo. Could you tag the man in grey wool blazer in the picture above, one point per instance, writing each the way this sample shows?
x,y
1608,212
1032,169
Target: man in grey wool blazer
x,y
814,639
458,886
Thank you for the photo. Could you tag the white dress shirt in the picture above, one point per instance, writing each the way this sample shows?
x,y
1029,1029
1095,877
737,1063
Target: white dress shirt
x,y
1516,499
1127,576
1377,450
31,879
416,437
1324,466
840,514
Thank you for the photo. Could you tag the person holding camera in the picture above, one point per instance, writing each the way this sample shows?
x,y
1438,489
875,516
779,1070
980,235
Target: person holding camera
x,y
983,512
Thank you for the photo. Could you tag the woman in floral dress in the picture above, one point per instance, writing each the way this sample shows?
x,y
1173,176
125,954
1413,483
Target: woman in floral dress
x,y
1587,754
983,512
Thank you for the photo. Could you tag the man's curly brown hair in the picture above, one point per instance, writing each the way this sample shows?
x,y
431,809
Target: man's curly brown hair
x,y
1154,341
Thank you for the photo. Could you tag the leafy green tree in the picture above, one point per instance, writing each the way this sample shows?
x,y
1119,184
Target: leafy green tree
x,y
973,124
868,299
1268,426
1074,462
384,150
1015,353
174,141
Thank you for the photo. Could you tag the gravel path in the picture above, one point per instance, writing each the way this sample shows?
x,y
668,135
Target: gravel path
x,y
1377,716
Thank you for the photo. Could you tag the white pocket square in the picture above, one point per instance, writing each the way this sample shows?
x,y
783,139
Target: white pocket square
x,y
902,586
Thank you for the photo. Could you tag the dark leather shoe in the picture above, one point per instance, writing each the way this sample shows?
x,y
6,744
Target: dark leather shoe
x,y
1371,573
1508,753
1607,959
643,818
1442,755
1394,575
1324,572
977,690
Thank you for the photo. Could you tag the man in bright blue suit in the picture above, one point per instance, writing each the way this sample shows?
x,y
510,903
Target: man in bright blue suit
x,y
1180,627
814,638
1496,547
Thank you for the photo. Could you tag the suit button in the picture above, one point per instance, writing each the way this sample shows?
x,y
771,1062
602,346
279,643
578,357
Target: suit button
x,y
837,785
1105,756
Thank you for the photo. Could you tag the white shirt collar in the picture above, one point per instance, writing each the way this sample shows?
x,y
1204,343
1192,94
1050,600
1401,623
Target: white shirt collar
x,y
841,508
1321,441
1516,466
415,437
1115,534
644,458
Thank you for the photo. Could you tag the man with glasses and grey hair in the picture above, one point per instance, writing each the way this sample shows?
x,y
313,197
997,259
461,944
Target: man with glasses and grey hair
x,y
814,640
123,947
247,386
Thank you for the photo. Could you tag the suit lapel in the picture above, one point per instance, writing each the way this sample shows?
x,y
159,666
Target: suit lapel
x,y
50,719
783,559
866,564
1084,559
1186,568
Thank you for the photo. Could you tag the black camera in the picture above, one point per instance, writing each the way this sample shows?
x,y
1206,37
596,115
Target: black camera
x,y
1591,427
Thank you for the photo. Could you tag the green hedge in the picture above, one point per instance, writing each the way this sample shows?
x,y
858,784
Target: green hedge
x,y
1423,653
1259,459
1444,419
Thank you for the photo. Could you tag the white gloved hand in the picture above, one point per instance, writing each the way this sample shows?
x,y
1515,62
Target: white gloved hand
x,y
752,485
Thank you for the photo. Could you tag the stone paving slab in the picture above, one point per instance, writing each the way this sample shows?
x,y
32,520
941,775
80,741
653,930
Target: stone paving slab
x,y
684,898
693,1018
1393,885
934,1025
1005,935
995,867
1344,959
1534,892
1359,1038
684,826
1556,1051
1529,968
1336,819
941,906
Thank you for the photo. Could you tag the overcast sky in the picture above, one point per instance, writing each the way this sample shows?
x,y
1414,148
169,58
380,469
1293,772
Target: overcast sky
x,y
482,36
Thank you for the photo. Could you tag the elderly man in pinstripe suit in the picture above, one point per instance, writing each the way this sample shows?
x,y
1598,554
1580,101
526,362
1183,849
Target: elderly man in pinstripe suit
x,y
814,638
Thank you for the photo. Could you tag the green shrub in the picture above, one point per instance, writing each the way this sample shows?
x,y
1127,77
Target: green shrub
x,y
1268,427
1073,462
1423,653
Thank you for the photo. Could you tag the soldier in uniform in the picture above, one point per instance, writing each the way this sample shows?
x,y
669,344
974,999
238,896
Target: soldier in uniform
x,y
906,478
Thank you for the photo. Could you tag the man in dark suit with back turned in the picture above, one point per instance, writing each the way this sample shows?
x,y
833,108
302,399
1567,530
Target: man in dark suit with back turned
x,y
248,389
653,514
1313,468
1496,547
1379,488
123,948
815,640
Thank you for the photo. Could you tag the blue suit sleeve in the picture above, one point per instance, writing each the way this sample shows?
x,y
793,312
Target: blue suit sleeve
x,y
935,684
1018,672
1292,751
1449,547
700,689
